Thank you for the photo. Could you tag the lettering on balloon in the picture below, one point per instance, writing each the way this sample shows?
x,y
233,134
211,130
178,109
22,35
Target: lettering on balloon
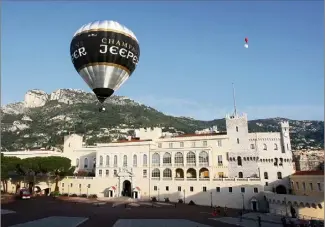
x,y
79,53
117,47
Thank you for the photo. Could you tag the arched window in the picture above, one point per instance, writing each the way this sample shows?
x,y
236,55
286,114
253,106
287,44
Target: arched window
x,y
86,163
179,158
135,161
266,175
264,147
77,162
240,175
190,158
275,146
107,160
236,128
125,161
145,160
167,159
100,160
115,160
156,159
279,175
237,140
167,173
239,162
275,161
203,158
155,173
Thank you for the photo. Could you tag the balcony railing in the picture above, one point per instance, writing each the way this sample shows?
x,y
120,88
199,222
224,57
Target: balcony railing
x,y
204,179
155,178
167,178
167,164
179,178
178,164
191,178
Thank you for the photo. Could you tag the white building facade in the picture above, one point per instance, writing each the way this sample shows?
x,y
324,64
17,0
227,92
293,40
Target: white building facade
x,y
219,168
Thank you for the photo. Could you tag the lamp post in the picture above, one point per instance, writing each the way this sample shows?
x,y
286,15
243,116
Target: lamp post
x,y
68,189
184,195
242,195
285,204
211,199
158,194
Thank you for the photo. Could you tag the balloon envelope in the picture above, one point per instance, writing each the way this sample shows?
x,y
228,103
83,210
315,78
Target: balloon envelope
x,y
105,54
246,45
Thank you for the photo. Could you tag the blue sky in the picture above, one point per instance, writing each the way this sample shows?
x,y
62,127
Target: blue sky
x,y
191,52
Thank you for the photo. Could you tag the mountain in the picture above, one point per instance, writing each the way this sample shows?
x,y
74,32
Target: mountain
x,y
42,120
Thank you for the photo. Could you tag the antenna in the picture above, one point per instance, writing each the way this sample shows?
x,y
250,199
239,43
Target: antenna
x,y
234,97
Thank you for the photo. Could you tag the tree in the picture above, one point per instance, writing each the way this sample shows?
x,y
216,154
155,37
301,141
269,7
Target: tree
x,y
8,168
58,167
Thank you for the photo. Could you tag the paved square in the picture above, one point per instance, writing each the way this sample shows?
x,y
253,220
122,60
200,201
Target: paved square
x,y
157,223
54,222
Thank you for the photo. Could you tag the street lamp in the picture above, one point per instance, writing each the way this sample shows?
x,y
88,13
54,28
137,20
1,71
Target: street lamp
x,y
242,195
211,199
184,195
158,194
285,204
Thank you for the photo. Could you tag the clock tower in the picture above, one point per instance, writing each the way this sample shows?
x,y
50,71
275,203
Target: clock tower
x,y
285,137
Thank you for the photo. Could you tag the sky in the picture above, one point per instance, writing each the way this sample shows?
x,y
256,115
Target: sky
x,y
191,53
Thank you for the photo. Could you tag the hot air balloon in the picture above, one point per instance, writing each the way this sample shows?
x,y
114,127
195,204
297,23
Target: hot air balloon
x,y
105,54
246,43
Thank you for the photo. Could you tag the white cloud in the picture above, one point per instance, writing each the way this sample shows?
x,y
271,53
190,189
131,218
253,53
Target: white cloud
x,y
209,111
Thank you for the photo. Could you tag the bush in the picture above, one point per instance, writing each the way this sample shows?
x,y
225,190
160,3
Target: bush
x,y
55,193
94,196
84,196
154,199
180,201
65,194
167,200
74,195
191,203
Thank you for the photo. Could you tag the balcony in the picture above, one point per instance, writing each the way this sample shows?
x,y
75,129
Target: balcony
x,y
167,164
190,164
178,164
203,164
155,178
167,178
178,178
191,179
204,179
156,164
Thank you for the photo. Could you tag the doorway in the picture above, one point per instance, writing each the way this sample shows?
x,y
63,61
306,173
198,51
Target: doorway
x,y
110,192
254,205
126,188
135,195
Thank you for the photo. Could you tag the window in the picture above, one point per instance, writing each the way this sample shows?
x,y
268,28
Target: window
x,y
237,140
304,186
71,185
115,172
242,190
77,162
193,144
181,144
179,159
145,160
167,159
125,161
170,145
319,187
191,189
252,146
135,161
191,158
240,175
279,175
79,185
204,158
204,189
281,162
88,185
220,160
205,143
220,174
239,162
311,186
107,173
107,160
264,147
255,190
156,159
100,160
275,146
167,173
236,128
266,175
145,173
217,189
219,143
115,160
159,145
155,173
94,162
155,188
179,188
230,189
297,185
266,183
167,188
62,185
275,162
100,172
86,163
